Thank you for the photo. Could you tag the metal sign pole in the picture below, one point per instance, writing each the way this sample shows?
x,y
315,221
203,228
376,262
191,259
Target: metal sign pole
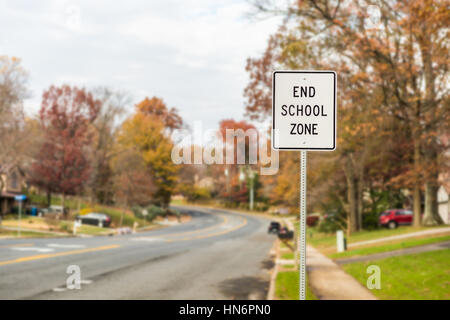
x,y
20,216
302,226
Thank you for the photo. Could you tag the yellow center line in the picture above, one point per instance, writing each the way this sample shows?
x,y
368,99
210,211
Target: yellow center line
x,y
17,245
58,254
225,221
214,234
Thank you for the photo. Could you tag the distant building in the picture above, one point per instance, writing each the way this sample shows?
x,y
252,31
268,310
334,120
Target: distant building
x,y
206,183
443,198
11,182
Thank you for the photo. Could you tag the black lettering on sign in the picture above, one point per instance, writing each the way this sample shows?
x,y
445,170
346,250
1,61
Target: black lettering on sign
x,y
304,129
301,110
307,92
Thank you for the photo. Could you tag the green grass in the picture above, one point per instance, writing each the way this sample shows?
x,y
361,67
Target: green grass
x,y
287,255
407,243
286,286
415,277
26,234
54,225
69,203
115,214
67,226
72,204
324,240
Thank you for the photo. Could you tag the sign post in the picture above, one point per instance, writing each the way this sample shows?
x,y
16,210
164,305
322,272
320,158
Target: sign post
x,y
20,198
144,213
304,118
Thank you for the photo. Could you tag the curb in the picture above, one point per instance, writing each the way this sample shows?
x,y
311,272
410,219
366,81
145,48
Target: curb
x,y
273,277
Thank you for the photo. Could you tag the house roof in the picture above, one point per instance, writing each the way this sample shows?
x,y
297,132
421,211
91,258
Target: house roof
x,y
8,194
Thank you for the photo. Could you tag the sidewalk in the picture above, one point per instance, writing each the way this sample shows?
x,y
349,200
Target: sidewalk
x,y
400,252
329,282
401,236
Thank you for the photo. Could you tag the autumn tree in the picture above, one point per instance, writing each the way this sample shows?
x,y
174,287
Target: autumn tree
x,y
157,108
13,139
146,134
104,127
132,183
397,54
61,166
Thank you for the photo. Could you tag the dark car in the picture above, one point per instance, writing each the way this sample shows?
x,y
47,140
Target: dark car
x,y
285,234
274,227
395,217
96,219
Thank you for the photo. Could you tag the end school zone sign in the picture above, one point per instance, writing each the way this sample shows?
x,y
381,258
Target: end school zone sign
x,y
304,110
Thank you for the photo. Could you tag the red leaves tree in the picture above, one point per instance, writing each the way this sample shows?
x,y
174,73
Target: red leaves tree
x,y
61,165
156,107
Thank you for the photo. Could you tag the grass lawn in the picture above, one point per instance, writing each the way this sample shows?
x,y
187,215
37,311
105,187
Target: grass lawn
x,y
26,234
406,243
415,276
72,204
286,286
328,240
43,224
287,255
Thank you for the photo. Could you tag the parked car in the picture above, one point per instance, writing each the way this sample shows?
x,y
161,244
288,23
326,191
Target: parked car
x,y
393,218
312,219
52,210
285,234
96,219
274,227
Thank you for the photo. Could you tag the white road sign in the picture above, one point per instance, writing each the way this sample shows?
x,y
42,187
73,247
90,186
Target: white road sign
x,y
304,110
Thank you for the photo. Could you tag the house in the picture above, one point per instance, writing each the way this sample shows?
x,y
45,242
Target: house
x,y
11,182
443,198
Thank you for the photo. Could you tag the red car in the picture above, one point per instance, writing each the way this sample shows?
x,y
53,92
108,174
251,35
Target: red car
x,y
393,218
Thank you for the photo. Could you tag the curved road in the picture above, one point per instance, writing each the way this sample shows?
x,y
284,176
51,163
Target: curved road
x,y
216,255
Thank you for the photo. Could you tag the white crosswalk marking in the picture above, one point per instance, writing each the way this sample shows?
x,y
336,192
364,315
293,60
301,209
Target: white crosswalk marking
x,y
146,239
65,246
37,249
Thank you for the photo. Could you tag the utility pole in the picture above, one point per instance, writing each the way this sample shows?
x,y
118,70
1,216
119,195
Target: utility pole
x,y
20,198
251,175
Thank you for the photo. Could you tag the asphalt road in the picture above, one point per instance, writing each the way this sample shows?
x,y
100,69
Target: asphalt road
x,y
216,255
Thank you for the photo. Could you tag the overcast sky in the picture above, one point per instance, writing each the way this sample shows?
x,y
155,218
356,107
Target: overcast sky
x,y
191,53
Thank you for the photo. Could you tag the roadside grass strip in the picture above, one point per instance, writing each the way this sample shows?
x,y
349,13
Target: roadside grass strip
x,y
422,276
407,243
287,286
322,240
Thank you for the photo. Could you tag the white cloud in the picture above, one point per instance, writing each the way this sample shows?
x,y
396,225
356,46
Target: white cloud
x,y
189,52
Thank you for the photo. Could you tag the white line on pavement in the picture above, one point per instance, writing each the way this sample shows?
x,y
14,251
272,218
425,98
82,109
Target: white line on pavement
x,y
68,246
37,249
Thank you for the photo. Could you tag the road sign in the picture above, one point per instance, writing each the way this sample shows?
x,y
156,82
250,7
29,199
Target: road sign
x,y
304,110
20,197
304,118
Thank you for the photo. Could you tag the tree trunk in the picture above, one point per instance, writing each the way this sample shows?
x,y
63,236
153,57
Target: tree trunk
x,y
359,202
431,216
49,198
416,189
63,204
351,196
121,217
